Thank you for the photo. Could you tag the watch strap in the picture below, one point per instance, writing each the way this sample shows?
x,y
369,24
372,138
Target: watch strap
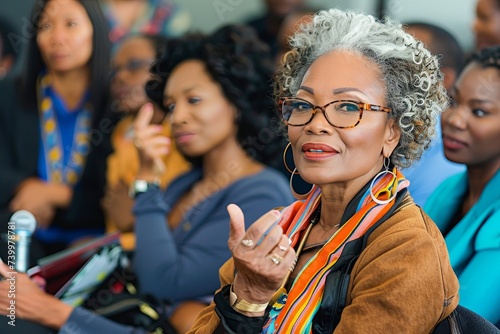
x,y
141,186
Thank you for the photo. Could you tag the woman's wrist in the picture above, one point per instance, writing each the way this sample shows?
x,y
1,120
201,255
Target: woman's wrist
x,y
248,301
245,307
234,321
251,293
147,174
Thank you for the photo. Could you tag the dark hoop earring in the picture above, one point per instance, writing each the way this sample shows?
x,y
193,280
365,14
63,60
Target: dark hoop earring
x,y
387,162
294,172
284,159
294,193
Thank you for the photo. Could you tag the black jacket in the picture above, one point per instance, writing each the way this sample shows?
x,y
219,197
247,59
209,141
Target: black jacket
x,y
19,149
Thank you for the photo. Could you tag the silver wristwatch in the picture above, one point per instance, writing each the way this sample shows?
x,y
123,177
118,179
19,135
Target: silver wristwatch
x,y
141,186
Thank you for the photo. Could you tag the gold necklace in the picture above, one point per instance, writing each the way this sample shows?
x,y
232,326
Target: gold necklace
x,y
316,219
327,229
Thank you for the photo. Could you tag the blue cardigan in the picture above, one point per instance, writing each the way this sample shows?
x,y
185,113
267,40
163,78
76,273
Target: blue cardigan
x,y
474,243
170,263
184,263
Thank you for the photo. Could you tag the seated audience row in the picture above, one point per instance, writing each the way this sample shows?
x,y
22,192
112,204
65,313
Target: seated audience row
x,y
216,91
207,141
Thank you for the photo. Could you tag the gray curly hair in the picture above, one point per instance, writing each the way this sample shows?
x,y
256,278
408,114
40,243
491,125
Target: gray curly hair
x,y
415,91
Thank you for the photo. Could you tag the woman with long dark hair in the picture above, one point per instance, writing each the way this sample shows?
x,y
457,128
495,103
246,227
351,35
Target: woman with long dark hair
x,y
52,125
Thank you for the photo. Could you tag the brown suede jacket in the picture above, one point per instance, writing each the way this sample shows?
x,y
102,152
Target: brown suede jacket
x,y
402,281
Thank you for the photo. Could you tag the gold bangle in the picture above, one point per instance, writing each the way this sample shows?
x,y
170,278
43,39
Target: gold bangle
x,y
243,305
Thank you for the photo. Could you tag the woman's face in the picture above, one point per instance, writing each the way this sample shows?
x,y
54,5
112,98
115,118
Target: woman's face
x,y
130,72
324,154
486,26
203,120
471,126
64,36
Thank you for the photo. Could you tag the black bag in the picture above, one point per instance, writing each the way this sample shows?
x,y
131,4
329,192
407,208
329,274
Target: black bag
x,y
144,312
117,298
464,321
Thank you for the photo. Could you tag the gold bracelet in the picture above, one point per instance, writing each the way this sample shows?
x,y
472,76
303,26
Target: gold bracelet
x,y
243,305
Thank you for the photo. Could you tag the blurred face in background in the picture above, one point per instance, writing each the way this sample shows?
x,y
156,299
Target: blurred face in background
x,y
487,23
203,119
129,74
281,8
64,36
471,126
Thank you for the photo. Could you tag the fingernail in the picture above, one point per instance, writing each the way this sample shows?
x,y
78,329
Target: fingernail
x,y
276,213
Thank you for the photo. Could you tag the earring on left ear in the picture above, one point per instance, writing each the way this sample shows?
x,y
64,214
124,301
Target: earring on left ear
x,y
294,172
388,187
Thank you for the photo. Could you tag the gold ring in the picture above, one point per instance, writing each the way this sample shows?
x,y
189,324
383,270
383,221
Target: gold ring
x,y
247,242
276,258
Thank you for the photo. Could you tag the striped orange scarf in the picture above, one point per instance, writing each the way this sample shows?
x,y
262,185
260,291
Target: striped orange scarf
x,y
294,312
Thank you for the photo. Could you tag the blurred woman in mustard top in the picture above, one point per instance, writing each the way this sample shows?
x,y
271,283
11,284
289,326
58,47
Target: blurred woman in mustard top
x,y
128,88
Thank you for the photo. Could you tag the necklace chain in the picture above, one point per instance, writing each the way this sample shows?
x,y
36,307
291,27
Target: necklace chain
x,y
315,219
326,229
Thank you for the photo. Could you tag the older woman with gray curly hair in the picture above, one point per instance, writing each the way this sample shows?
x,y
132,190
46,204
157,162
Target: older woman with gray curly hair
x,y
355,254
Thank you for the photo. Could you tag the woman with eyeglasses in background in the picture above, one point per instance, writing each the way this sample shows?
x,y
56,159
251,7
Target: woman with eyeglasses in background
x,y
130,67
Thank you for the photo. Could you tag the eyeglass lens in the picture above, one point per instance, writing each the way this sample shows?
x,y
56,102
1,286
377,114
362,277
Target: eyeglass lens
x,y
338,113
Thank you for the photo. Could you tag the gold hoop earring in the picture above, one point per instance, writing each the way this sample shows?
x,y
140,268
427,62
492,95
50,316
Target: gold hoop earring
x,y
294,193
284,159
387,162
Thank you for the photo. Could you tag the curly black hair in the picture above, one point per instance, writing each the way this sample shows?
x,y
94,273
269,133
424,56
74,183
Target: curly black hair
x,y
487,57
241,64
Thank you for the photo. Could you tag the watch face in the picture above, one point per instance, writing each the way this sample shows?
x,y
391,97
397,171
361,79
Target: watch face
x,y
140,186
137,187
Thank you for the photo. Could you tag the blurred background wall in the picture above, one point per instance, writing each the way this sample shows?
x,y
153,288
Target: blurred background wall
x,y
454,15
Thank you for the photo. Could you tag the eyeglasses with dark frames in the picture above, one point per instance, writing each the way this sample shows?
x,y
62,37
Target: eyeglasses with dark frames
x,y
341,114
132,66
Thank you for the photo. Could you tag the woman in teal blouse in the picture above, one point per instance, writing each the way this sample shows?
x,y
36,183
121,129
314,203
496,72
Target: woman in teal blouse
x,y
466,207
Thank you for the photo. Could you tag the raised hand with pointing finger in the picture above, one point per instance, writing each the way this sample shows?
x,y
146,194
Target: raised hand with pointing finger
x,y
151,145
262,255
